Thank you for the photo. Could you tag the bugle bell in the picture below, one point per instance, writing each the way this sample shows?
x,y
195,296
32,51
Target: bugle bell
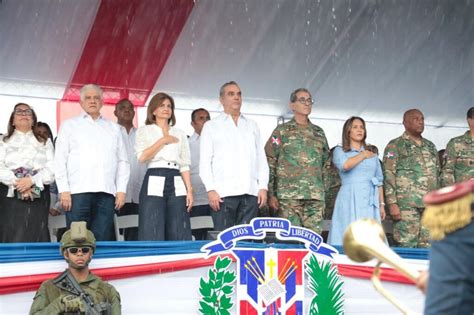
x,y
365,240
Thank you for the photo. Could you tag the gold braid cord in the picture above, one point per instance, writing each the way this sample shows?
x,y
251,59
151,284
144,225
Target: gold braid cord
x,y
448,217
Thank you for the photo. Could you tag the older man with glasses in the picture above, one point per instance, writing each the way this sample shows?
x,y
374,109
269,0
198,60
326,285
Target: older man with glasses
x,y
297,152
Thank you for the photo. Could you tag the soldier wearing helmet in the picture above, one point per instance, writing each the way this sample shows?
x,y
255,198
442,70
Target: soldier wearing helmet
x,y
77,290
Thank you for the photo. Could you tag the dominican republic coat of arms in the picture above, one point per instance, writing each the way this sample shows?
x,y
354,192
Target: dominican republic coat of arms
x,y
271,279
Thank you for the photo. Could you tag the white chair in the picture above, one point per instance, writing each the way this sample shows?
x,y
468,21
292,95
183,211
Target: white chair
x,y
387,226
326,225
124,222
54,224
201,222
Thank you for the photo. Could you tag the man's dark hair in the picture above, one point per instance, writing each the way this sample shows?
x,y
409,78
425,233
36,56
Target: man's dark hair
x,y
293,94
372,148
410,112
193,114
222,89
470,113
124,101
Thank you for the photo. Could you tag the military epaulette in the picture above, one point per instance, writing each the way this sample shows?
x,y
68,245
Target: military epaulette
x,y
448,209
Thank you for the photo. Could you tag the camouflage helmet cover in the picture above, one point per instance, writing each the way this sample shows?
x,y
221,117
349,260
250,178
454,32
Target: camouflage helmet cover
x,y
77,235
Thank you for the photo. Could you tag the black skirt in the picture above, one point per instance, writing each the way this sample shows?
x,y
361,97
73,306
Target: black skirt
x,y
24,220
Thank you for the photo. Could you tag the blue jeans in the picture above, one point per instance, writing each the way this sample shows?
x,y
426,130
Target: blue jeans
x,y
451,279
235,210
97,209
163,218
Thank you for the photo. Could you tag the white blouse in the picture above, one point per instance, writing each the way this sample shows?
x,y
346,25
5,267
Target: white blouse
x,y
175,152
24,150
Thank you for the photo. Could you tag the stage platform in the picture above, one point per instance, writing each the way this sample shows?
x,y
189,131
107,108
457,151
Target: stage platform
x,y
163,277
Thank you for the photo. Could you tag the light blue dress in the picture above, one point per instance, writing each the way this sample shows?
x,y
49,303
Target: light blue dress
x,y
358,196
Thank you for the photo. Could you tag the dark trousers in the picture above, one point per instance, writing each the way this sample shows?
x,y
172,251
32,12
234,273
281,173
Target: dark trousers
x,y
451,280
23,220
97,209
235,210
163,218
199,211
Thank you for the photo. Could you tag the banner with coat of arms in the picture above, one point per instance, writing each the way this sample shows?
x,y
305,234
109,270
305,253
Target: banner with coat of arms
x,y
271,280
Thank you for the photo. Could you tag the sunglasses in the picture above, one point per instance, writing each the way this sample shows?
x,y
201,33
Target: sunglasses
x,y
75,250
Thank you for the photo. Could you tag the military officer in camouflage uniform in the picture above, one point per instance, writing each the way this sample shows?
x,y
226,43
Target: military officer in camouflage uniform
x,y
77,290
297,152
411,169
332,183
459,165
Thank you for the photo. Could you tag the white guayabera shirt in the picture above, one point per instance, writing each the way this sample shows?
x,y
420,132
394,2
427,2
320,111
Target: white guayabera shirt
x,y
199,190
91,157
233,160
137,170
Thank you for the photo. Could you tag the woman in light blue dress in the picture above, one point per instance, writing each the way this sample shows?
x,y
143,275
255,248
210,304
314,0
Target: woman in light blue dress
x,y
361,192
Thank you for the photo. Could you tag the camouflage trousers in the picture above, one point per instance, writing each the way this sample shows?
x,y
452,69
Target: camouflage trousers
x,y
408,232
307,213
329,207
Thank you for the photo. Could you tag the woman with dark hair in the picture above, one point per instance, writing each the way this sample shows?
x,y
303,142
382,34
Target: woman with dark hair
x,y
166,194
44,131
26,169
361,192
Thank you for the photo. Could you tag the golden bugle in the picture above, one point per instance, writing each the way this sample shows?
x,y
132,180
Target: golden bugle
x,y
365,240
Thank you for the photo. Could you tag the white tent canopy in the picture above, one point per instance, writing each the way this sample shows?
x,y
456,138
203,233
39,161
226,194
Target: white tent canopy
x,y
370,58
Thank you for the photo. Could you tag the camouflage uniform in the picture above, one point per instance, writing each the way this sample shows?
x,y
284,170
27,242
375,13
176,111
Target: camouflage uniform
x,y
459,165
410,171
332,183
48,298
297,155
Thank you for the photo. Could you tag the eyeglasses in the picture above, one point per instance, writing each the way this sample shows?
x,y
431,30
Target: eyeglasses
x,y
23,112
305,101
75,250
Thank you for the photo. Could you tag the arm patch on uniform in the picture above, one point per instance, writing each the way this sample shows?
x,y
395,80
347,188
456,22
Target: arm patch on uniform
x,y
390,155
276,140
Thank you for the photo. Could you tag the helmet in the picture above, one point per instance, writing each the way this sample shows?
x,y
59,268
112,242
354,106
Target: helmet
x,y
77,235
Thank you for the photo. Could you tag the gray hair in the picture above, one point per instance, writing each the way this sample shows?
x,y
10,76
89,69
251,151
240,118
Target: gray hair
x,y
222,89
88,87
293,94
